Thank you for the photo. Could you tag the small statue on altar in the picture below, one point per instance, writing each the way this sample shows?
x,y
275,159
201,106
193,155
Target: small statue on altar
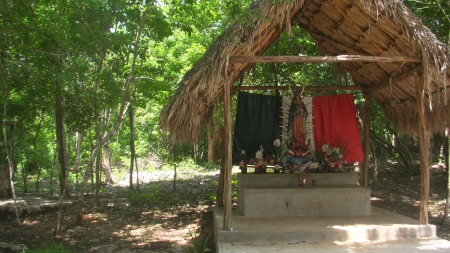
x,y
297,119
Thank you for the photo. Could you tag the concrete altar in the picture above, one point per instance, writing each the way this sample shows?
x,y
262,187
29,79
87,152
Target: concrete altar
x,y
278,195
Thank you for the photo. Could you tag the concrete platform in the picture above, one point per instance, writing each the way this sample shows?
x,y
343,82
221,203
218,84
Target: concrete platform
x,y
434,245
289,201
379,226
273,195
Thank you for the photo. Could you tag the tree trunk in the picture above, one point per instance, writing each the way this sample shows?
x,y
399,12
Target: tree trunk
x,y
386,146
121,116
132,148
60,211
97,169
447,197
106,160
107,164
63,163
78,141
137,174
51,172
97,179
375,162
5,182
92,171
24,178
174,169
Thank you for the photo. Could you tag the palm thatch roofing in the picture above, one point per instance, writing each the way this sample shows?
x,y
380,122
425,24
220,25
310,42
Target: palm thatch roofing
x,y
339,27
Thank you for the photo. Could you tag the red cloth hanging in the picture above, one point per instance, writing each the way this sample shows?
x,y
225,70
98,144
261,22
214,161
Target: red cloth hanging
x,y
335,122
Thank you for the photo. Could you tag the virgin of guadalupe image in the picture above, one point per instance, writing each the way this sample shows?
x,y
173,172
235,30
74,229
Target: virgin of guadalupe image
x,y
297,119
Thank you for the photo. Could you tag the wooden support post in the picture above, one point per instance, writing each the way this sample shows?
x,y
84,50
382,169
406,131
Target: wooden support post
x,y
228,155
423,137
365,176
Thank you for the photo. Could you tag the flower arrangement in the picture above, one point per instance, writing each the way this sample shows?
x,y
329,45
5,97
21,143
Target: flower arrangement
x,y
280,150
302,167
335,155
259,154
260,166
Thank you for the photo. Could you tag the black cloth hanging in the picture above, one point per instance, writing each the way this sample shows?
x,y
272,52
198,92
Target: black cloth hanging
x,y
257,123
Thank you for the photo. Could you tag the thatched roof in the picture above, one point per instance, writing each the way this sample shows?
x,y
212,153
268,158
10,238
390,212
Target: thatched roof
x,y
339,27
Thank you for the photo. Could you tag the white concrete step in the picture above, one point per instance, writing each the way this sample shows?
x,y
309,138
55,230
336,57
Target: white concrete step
x,y
434,245
379,225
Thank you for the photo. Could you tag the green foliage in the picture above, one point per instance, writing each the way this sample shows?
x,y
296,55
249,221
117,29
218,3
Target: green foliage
x,y
156,195
435,14
211,165
49,248
196,244
143,198
188,164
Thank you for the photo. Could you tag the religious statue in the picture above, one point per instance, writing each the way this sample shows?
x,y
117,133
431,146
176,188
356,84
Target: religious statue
x,y
297,118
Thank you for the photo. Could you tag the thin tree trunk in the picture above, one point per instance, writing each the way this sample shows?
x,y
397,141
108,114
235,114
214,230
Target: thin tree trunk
x,y
68,152
92,171
60,139
78,141
375,162
10,162
194,149
97,169
51,172
447,199
24,178
174,169
132,148
107,164
137,174
121,115
447,160
60,211
38,178
106,159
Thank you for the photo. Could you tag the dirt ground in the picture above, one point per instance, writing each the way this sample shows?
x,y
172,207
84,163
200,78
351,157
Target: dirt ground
x,y
144,222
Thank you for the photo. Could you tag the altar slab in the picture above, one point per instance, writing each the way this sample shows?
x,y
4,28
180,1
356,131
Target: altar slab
x,y
270,195
288,201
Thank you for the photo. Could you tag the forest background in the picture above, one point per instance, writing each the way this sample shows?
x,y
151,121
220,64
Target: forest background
x,y
83,83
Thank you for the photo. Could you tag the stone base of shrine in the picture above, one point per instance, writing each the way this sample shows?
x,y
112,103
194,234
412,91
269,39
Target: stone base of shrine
x,y
259,201
279,195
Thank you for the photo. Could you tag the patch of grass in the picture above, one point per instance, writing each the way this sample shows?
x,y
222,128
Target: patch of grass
x,y
143,198
49,248
196,244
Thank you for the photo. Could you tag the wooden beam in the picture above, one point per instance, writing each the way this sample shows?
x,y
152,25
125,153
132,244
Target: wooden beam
x,y
322,88
228,152
320,59
424,162
367,98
